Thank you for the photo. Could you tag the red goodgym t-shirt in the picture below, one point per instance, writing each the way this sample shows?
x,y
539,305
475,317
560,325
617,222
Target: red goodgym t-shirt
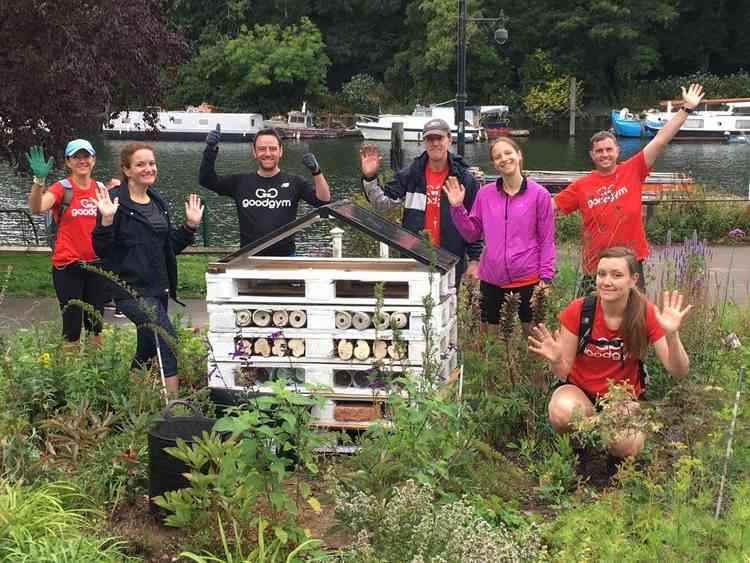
x,y
604,357
73,242
434,188
611,209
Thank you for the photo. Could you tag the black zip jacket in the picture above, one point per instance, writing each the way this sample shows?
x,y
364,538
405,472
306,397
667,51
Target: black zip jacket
x,y
132,249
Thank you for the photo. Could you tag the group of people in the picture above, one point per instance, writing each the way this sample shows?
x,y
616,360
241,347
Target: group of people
x,y
503,233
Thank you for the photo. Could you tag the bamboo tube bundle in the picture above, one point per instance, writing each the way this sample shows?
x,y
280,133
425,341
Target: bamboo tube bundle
x,y
297,318
296,347
361,379
280,318
362,350
342,378
399,320
343,320
262,347
279,347
243,317
345,349
261,317
361,320
381,320
397,350
244,346
380,349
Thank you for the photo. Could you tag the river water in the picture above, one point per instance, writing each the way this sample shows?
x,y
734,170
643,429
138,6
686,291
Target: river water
x,y
718,166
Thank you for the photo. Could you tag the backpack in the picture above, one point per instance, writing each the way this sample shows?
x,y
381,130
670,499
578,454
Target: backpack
x,y
52,219
585,326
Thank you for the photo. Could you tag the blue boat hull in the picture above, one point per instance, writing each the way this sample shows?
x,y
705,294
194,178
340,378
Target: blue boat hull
x,y
628,127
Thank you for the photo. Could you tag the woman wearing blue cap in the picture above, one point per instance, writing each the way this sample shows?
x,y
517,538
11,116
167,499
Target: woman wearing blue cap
x,y
72,205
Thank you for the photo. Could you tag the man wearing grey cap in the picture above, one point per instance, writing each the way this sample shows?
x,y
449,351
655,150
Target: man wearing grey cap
x,y
418,187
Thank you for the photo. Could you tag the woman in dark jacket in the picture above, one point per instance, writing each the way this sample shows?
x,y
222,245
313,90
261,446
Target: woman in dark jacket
x,y
135,239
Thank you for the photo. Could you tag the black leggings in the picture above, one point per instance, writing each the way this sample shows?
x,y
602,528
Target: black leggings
x,y
76,282
492,298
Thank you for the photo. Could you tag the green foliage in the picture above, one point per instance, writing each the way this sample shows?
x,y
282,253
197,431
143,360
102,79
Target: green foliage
x,y
267,68
363,93
648,93
410,526
711,221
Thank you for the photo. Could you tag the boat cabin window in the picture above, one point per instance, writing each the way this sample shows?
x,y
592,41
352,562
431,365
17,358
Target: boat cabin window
x,y
126,120
742,124
694,123
741,111
203,121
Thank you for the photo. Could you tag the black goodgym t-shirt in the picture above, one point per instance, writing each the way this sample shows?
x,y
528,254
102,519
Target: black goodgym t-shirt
x,y
263,204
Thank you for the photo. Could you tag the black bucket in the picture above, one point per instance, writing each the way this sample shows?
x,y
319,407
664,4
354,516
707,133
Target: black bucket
x,y
165,471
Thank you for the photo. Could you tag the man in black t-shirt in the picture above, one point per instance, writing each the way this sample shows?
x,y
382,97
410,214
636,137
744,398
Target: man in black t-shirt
x,y
268,198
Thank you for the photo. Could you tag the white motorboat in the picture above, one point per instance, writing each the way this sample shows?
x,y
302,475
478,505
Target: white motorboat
x,y
184,125
379,128
713,120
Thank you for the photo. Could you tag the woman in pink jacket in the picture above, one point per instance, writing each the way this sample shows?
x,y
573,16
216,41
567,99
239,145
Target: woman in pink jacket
x,y
514,215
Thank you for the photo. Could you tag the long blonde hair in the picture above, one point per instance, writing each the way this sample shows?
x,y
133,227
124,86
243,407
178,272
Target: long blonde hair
x,y
633,326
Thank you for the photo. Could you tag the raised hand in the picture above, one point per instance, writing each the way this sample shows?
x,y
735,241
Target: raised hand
x,y
455,191
309,160
39,167
692,96
546,344
369,158
213,137
107,207
672,312
193,211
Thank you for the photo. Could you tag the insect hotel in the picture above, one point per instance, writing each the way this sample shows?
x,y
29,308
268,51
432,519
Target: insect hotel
x,y
315,322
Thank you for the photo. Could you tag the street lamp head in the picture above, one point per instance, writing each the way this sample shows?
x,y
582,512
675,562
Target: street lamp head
x,y
501,35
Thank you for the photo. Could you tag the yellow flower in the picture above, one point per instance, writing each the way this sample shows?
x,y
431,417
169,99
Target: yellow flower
x,y
44,359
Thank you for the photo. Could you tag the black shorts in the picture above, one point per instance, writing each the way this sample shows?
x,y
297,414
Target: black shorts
x,y
492,299
591,396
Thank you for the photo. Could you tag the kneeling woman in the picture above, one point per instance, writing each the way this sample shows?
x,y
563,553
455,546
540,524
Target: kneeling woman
x,y
135,239
623,326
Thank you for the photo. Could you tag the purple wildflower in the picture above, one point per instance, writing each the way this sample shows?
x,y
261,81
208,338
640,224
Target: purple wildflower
x,y
277,334
737,233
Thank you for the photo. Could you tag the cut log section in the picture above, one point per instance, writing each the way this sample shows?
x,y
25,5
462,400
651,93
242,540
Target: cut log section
x,y
244,346
280,318
362,350
397,350
243,317
381,320
297,318
296,346
361,321
342,378
261,317
380,349
262,347
345,349
343,320
280,347
361,379
399,320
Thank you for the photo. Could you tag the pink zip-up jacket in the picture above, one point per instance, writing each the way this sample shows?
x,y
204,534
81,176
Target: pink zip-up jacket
x,y
518,231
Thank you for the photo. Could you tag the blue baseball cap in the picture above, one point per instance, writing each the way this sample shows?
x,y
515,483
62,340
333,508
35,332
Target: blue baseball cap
x,y
77,145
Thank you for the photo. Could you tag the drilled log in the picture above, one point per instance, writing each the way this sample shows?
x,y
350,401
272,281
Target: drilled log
x,y
362,350
280,318
262,347
280,347
342,378
343,320
380,349
396,350
297,318
361,320
345,349
243,317
381,320
399,320
244,346
297,347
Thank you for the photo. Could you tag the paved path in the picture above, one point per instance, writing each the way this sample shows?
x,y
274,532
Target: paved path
x,y
731,263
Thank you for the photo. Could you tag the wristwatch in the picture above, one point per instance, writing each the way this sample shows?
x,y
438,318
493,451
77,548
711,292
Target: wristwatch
x,y
40,181
687,110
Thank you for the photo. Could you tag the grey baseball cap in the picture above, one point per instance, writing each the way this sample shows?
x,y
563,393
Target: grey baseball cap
x,y
436,126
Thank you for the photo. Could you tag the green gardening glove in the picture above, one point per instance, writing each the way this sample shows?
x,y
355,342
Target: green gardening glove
x,y
39,167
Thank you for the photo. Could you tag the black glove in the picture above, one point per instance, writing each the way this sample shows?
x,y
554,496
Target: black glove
x,y
309,160
212,139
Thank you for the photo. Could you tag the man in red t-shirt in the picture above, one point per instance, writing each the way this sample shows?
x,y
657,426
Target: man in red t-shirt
x,y
609,198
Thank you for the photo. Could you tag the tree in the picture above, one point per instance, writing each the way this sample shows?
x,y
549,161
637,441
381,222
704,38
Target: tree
x,y
266,69
64,63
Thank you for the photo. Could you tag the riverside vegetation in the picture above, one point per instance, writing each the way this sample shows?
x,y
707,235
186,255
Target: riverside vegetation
x,y
460,472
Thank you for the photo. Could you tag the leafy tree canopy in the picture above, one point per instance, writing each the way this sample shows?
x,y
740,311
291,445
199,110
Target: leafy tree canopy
x,y
64,63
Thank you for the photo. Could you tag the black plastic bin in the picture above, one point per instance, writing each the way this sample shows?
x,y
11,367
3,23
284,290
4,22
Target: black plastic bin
x,y
165,471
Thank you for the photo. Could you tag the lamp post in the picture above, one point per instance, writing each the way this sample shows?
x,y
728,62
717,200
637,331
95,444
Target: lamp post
x,y
501,37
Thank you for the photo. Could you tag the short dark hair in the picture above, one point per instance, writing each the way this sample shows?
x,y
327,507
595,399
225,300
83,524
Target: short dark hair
x,y
601,136
268,131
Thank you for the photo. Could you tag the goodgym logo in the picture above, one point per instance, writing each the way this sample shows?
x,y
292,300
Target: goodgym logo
x,y
87,208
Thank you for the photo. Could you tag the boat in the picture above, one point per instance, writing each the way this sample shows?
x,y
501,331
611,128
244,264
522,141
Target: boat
x,y
495,121
718,120
188,125
625,124
300,124
379,128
